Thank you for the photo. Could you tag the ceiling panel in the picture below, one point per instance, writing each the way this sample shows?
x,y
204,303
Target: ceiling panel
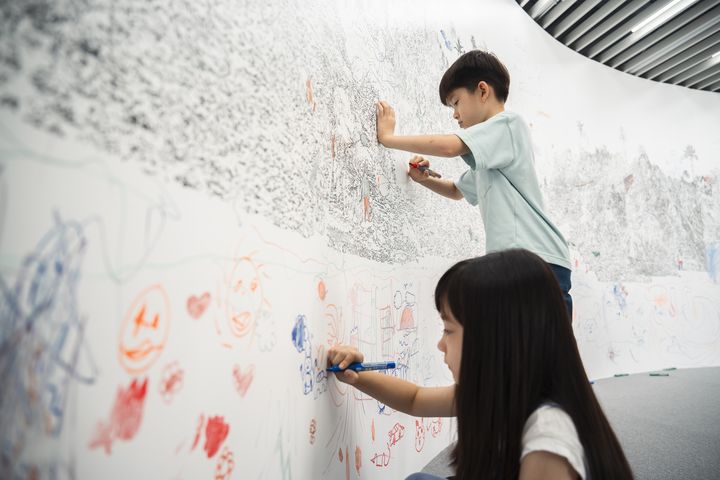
x,y
670,41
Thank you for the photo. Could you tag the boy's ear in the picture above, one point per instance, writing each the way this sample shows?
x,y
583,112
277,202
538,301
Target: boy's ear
x,y
484,89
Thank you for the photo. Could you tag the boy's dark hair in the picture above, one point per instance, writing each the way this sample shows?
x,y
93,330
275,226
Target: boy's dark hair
x,y
471,68
518,352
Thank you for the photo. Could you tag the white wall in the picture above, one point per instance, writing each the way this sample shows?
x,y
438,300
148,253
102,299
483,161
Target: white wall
x,y
204,178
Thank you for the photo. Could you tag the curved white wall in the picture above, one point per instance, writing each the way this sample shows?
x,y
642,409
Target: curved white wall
x,y
194,208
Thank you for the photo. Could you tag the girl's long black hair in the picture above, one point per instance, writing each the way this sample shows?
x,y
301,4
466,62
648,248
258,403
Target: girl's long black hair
x,y
518,352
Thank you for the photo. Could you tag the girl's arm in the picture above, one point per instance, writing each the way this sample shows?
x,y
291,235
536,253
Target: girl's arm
x,y
543,465
394,392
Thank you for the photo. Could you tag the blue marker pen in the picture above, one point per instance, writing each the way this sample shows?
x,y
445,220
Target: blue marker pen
x,y
361,367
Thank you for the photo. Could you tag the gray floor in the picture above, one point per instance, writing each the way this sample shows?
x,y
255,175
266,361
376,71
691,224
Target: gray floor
x,y
668,426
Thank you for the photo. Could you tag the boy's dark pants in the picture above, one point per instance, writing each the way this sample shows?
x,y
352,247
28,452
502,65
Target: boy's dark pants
x,y
563,277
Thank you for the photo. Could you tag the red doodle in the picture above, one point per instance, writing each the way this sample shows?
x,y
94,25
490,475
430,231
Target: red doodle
x,y
313,430
225,464
198,431
372,429
406,319
243,380
125,418
322,290
419,435
216,431
309,94
381,459
340,454
347,465
196,306
435,426
358,459
171,381
395,434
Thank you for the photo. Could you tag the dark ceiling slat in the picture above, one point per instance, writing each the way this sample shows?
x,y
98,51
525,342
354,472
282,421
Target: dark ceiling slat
x,y
573,17
708,81
555,13
705,74
589,23
715,87
702,23
699,53
624,29
608,24
692,72
681,46
681,52
541,7
658,33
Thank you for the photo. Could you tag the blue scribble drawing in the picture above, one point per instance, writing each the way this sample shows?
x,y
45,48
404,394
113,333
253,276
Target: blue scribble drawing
x,y
42,348
312,372
301,340
620,294
712,261
448,43
299,333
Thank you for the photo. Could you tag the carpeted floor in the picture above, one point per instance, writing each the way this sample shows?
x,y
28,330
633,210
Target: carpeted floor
x,y
668,426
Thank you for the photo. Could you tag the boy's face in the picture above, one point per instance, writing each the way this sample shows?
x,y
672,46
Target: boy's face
x,y
470,108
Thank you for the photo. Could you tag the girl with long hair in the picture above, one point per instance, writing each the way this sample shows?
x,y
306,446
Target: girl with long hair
x,y
524,405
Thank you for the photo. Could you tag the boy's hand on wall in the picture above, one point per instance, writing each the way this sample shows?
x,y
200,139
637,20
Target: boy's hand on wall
x,y
344,355
385,121
416,173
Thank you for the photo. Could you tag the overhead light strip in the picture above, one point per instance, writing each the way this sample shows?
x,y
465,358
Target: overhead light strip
x,y
662,15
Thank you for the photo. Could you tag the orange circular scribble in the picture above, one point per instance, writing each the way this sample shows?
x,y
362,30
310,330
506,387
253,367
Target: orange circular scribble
x,y
245,298
144,330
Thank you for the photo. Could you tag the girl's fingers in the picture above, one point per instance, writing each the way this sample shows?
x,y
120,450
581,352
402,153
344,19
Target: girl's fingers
x,y
349,376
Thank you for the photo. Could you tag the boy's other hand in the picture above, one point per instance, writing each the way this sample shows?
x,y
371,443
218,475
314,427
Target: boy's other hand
x,y
385,121
415,173
344,355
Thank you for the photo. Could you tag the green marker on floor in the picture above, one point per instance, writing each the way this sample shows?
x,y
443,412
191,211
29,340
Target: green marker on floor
x,y
622,374
658,374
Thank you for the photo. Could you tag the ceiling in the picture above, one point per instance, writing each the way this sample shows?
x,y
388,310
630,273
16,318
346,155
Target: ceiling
x,y
669,41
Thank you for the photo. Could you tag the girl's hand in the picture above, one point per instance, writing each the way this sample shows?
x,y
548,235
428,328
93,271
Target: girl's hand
x,y
344,355
385,122
415,173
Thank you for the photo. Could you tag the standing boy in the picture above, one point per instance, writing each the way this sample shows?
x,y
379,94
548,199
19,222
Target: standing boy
x,y
496,146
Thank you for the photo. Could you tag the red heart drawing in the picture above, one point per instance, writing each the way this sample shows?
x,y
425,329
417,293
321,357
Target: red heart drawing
x,y
243,380
196,305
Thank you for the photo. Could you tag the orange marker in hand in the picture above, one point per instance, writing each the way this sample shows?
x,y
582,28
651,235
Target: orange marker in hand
x,y
424,168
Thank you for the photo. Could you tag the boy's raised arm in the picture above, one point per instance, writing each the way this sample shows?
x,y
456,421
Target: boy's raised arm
x,y
437,145
400,395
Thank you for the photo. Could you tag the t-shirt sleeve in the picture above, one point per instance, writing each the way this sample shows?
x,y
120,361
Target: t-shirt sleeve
x,y
552,430
466,185
490,144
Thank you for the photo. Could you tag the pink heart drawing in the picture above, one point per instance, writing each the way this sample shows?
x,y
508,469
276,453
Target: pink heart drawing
x,y
243,380
196,305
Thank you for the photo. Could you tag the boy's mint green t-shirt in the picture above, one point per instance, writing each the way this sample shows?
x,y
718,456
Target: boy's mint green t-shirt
x,y
503,183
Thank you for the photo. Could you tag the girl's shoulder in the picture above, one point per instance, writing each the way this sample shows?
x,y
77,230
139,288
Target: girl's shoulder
x,y
549,428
